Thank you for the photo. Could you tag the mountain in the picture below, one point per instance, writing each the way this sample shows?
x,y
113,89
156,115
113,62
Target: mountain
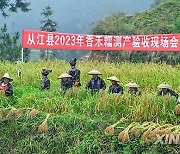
x,y
162,18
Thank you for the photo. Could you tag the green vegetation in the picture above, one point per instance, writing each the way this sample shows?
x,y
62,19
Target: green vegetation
x,y
161,19
13,7
9,47
80,119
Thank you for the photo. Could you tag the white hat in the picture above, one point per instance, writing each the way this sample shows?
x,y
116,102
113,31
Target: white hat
x,y
94,72
132,84
6,75
164,85
113,78
64,75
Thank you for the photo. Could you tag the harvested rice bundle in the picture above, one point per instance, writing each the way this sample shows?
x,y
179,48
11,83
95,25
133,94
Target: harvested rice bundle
x,y
110,130
160,130
177,109
1,114
164,129
123,135
43,128
33,113
18,113
142,128
134,130
145,135
11,113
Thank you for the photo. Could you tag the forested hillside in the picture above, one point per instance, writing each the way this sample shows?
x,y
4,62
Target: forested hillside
x,y
162,18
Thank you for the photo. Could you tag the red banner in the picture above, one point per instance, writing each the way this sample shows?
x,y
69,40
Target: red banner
x,y
52,40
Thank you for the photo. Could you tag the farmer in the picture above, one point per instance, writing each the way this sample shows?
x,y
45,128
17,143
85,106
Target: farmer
x,y
133,88
115,87
75,73
5,87
66,82
45,82
96,83
165,89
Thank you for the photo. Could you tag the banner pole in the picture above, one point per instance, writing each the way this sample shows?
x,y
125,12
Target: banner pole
x,y
22,55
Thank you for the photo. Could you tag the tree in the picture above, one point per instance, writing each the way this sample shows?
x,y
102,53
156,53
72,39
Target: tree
x,y
177,25
48,25
13,7
9,48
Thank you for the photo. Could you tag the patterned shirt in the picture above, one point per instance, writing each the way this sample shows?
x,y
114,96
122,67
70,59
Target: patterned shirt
x,y
96,84
7,88
45,83
116,88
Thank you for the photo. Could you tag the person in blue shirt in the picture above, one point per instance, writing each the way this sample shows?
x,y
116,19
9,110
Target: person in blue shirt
x,y
75,73
66,82
45,82
96,83
115,87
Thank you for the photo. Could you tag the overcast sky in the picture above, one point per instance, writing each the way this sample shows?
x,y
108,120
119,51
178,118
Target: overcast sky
x,y
73,16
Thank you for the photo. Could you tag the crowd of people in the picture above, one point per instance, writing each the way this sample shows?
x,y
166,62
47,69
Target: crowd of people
x,y
72,80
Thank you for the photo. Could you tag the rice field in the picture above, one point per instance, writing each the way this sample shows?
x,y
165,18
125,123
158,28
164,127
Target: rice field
x,y
78,120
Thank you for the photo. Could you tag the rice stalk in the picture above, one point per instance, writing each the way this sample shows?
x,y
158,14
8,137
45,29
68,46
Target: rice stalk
x,y
43,128
33,113
177,109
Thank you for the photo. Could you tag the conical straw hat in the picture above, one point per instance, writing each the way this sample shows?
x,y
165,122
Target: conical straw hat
x,y
132,84
113,78
64,75
164,85
94,72
6,75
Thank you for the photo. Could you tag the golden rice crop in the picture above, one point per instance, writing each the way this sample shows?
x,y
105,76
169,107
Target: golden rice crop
x,y
147,107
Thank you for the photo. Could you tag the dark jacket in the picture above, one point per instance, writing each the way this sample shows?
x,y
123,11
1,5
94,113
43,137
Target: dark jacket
x,y
96,84
168,92
66,85
134,92
75,73
9,89
45,83
116,88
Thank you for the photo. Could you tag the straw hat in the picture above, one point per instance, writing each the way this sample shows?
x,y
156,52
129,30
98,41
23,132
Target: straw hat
x,y
64,75
6,75
164,85
113,78
94,72
132,84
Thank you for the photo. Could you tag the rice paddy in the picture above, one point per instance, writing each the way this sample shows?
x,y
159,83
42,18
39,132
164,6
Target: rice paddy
x,y
77,120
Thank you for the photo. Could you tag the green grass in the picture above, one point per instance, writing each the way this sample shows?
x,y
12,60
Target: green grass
x,y
79,119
